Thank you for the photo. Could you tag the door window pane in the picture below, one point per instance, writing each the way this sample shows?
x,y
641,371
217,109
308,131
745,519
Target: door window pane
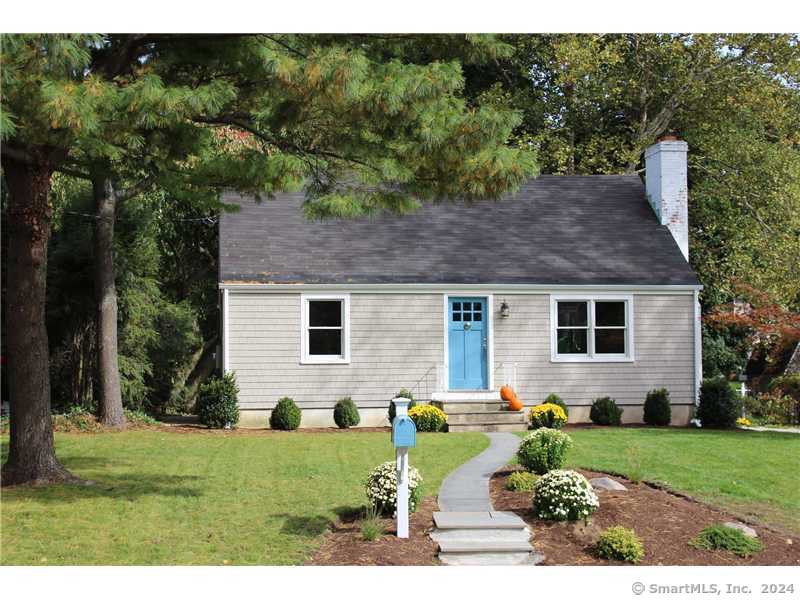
x,y
572,314
572,341
325,341
609,314
325,313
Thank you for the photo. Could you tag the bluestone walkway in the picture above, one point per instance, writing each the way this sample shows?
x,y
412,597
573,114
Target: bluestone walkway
x,y
467,488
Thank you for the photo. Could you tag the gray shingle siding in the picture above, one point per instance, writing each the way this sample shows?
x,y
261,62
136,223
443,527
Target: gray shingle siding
x,y
557,230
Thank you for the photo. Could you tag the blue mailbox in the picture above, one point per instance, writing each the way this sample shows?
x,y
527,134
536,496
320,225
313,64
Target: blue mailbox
x,y
404,432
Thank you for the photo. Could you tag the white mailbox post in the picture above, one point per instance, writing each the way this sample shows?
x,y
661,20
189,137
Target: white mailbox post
x,y
404,436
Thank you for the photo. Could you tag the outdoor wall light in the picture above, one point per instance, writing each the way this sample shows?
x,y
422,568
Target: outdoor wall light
x,y
505,311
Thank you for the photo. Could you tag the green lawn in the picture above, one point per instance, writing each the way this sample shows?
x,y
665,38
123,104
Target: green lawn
x,y
750,473
172,498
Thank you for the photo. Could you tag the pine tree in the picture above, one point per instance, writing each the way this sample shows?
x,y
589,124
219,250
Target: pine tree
x,y
364,123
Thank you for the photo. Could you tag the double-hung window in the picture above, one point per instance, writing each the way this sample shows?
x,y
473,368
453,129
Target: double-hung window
x,y
591,328
325,329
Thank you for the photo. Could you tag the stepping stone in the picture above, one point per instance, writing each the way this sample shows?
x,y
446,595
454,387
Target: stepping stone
x,y
748,531
608,484
484,559
477,520
488,536
483,545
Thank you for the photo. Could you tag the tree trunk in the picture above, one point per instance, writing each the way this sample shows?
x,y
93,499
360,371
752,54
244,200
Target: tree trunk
x,y
31,457
110,399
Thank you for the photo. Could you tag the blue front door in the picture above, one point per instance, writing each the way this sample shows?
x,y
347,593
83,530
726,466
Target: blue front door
x,y
466,339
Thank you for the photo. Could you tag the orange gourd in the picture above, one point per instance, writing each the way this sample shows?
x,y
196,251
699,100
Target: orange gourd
x,y
507,394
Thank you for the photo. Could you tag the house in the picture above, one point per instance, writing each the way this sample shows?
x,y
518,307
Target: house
x,y
577,285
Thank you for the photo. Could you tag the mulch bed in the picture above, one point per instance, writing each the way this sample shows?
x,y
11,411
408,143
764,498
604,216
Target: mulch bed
x,y
664,521
343,544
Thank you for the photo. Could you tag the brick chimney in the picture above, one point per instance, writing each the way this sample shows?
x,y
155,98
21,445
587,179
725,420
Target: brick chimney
x,y
667,188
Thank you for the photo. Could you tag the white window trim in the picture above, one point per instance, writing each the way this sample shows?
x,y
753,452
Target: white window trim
x,y
590,356
305,358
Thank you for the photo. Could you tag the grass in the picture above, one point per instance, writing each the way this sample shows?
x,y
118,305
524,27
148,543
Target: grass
x,y
169,498
747,472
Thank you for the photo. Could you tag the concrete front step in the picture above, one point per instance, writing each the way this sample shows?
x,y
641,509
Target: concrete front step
x,y
452,408
509,427
467,396
466,418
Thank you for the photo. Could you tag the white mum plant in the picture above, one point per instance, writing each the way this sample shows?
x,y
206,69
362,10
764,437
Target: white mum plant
x,y
381,486
564,496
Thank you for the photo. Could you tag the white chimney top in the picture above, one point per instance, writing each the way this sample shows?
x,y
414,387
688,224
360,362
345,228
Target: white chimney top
x,y
667,187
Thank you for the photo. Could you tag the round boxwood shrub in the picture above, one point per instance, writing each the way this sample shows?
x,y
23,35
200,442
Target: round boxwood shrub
x,y
521,481
547,415
381,488
605,411
428,418
217,405
719,406
543,450
403,393
286,415
345,413
620,543
556,399
564,496
657,410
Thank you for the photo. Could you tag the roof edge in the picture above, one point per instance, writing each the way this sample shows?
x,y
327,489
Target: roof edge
x,y
449,287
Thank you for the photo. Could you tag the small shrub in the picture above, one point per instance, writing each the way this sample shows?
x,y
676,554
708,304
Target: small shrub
x,y
286,415
720,537
381,488
521,481
371,526
657,410
76,418
787,388
771,408
564,496
403,393
427,417
139,418
619,543
556,399
719,405
345,413
743,422
217,405
547,415
543,450
605,411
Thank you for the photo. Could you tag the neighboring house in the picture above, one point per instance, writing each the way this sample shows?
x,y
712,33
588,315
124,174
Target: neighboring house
x,y
575,285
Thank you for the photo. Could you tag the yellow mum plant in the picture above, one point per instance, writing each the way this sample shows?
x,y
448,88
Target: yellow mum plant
x,y
427,417
547,415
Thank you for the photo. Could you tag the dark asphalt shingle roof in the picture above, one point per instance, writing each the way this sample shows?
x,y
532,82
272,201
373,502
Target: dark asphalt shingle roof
x,y
559,230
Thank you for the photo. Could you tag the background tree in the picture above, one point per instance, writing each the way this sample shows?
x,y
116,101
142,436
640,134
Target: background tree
x,y
353,119
593,103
